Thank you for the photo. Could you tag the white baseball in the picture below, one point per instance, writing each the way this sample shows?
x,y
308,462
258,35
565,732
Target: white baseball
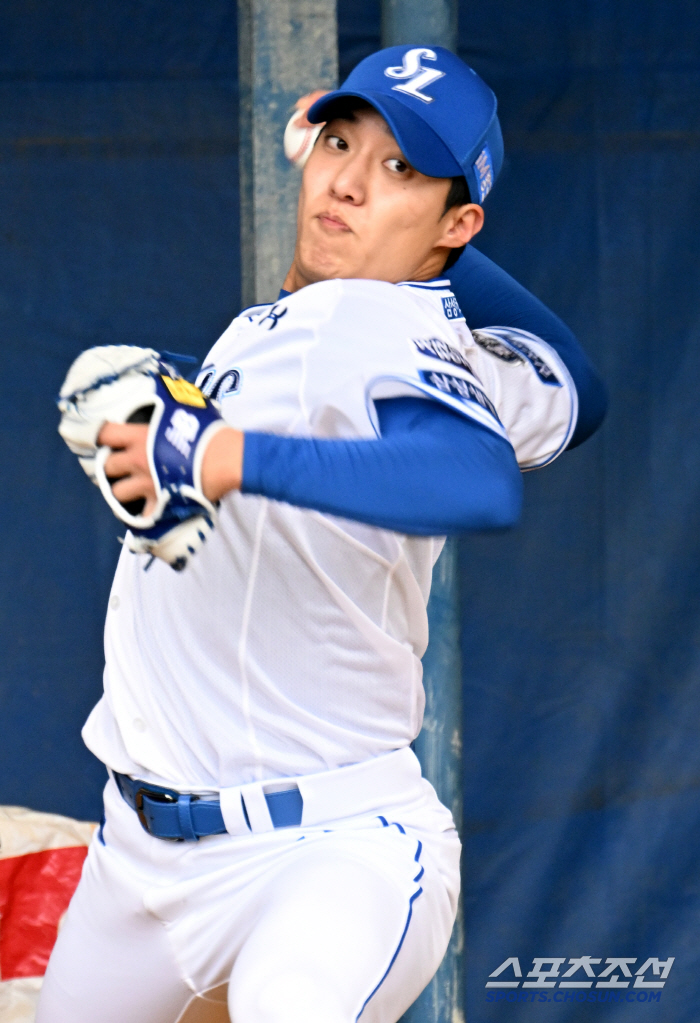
x,y
298,142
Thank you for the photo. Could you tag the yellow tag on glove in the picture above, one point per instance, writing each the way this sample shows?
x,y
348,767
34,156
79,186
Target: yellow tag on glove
x,y
185,392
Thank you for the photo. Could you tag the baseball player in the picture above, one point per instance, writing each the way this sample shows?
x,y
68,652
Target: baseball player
x,y
268,837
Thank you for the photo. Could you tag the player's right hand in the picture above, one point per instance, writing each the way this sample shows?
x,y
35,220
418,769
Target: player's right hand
x,y
300,134
304,103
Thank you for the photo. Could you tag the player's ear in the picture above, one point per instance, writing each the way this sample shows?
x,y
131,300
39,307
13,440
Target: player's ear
x,y
460,224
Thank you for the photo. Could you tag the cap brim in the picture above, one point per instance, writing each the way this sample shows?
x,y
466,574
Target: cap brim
x,y
421,146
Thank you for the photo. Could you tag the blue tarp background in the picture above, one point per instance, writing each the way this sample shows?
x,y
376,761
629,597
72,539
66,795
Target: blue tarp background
x,y
119,223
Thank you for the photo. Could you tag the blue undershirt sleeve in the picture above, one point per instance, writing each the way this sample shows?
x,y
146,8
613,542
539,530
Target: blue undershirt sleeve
x,y
489,297
432,472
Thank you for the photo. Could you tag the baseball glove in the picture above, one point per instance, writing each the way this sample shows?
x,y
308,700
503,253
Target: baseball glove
x,y
125,384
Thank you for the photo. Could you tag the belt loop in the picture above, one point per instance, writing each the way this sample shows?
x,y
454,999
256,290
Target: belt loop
x,y
256,807
184,815
233,812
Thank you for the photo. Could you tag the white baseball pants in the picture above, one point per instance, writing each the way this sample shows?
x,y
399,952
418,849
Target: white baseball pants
x,y
299,925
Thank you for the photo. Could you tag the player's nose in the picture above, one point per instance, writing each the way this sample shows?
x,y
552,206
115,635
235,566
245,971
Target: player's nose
x,y
349,183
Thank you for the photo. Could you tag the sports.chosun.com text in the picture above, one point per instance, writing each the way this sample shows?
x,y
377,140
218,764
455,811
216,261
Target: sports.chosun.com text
x,y
573,996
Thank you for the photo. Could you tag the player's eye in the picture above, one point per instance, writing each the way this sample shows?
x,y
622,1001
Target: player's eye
x,y
335,142
396,165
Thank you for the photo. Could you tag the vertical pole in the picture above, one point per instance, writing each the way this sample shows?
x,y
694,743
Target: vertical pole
x,y
439,749
285,48
426,22
439,745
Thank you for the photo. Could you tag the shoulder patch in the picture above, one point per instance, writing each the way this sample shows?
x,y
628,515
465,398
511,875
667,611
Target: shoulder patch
x,y
495,346
506,345
546,375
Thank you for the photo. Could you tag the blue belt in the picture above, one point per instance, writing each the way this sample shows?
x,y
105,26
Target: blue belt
x,y
181,817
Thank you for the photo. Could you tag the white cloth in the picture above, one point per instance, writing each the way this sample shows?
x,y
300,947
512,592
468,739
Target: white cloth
x,y
292,642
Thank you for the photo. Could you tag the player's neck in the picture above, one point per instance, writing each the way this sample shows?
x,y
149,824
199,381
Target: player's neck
x,y
431,267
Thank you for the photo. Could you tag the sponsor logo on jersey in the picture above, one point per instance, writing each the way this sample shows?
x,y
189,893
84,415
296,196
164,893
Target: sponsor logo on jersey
x,y
496,347
184,427
546,375
502,347
416,77
184,392
458,388
451,308
439,349
483,169
274,315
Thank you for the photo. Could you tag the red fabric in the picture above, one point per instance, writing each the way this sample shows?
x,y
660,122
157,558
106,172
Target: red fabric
x,y
34,894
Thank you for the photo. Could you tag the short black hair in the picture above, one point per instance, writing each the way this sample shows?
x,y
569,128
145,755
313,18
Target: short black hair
x,y
458,194
345,107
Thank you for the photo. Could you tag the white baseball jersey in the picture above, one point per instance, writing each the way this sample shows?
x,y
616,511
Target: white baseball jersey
x,y
291,644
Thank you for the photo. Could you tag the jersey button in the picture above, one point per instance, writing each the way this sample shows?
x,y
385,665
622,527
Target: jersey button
x,y
114,602
139,725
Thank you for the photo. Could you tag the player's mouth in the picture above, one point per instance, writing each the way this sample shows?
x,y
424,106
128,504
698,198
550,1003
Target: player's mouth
x,y
331,222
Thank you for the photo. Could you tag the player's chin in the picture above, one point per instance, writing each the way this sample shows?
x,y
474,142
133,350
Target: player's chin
x,y
323,264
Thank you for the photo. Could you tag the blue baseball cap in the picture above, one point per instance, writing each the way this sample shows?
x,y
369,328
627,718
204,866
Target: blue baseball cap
x,y
441,113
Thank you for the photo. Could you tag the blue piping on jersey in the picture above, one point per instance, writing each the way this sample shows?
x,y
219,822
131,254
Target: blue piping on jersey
x,y
398,949
438,284
465,406
412,899
395,824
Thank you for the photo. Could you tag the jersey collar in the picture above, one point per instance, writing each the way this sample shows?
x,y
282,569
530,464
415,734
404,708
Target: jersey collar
x,y
433,283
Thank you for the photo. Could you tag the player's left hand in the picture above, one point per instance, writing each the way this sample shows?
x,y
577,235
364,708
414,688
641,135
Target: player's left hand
x,y
127,467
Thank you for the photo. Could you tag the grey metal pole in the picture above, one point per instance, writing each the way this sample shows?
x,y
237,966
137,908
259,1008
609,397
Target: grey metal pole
x,y
439,749
430,22
285,49
439,745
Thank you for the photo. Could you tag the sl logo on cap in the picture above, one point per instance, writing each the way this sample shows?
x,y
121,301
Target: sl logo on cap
x,y
418,76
